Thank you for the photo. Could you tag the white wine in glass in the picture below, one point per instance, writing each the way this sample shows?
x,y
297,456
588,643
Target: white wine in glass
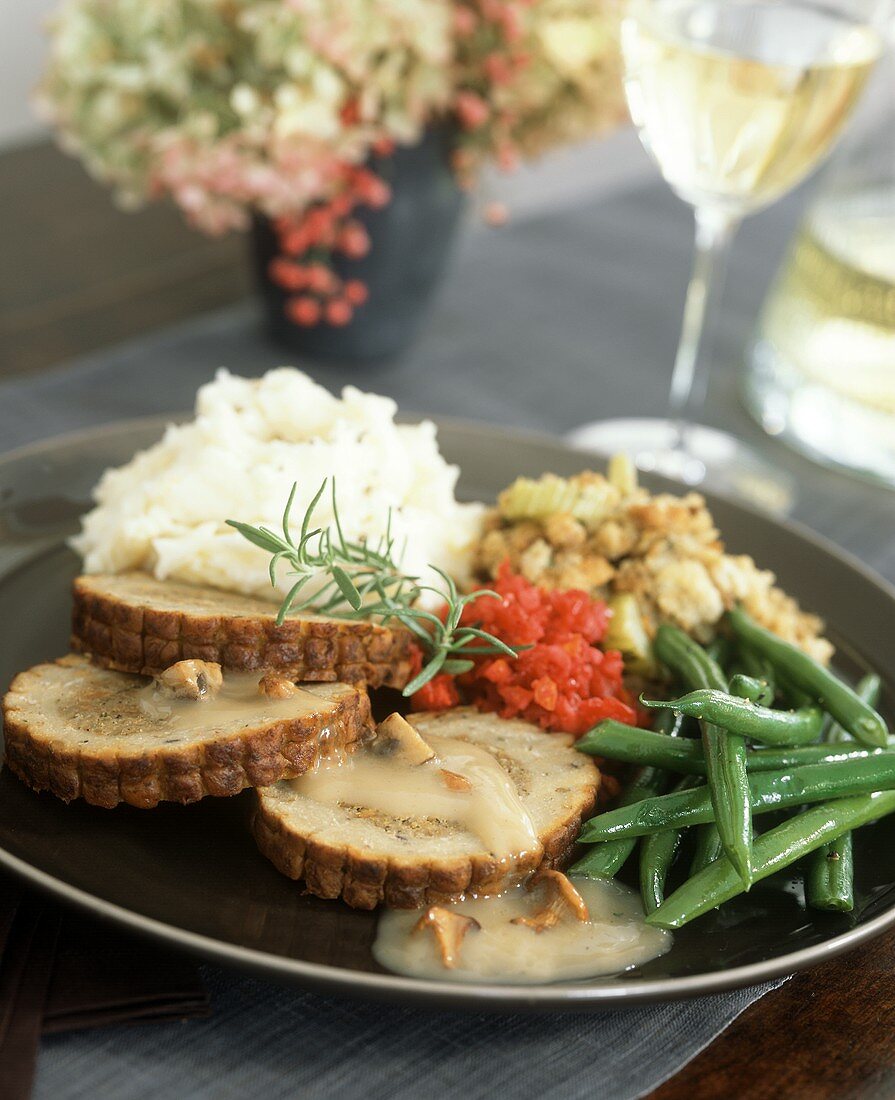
x,y
737,101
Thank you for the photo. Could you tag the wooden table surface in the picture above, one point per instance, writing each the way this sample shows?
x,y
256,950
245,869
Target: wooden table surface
x,y
75,275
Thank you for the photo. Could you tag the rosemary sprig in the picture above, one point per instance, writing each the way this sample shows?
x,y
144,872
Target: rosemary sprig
x,y
360,581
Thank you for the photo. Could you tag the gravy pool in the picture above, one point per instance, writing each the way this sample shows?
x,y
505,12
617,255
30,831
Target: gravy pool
x,y
613,939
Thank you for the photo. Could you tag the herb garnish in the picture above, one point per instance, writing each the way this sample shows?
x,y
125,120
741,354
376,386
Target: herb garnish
x,y
361,581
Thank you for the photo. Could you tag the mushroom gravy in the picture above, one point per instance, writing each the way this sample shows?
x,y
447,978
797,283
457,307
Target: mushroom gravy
x,y
238,701
613,938
487,804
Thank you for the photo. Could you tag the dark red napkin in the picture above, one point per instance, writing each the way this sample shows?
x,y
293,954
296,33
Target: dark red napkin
x,y
60,970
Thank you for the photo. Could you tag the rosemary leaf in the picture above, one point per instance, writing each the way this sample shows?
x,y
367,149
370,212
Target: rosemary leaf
x,y
355,580
255,535
306,522
341,533
347,587
471,632
427,673
456,667
286,605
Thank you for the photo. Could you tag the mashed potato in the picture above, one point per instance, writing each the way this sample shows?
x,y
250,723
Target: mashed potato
x,y
164,511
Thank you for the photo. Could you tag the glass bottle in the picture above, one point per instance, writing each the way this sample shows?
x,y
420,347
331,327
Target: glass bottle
x,y
822,368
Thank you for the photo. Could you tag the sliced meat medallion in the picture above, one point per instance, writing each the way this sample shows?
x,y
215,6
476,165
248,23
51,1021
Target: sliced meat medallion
x,y
133,622
80,731
494,801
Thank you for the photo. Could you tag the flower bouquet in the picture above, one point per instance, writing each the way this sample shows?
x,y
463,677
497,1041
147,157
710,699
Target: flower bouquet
x,y
312,118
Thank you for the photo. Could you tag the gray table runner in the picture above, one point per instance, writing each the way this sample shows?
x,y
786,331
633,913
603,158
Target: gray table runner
x,y
544,324
265,1041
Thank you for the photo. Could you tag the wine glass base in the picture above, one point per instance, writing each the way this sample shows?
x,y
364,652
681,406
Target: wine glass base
x,y
703,456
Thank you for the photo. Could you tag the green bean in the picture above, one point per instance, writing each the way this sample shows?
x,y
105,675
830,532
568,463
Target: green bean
x,y
747,687
736,715
790,695
636,746
763,760
772,851
669,724
829,877
708,848
657,853
721,650
756,666
725,753
768,791
678,754
606,860
869,688
836,697
687,659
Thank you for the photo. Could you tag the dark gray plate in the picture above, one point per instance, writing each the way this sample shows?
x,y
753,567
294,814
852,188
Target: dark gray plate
x,y
191,875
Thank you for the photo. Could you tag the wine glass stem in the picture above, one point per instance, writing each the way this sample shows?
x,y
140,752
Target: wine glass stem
x,y
715,230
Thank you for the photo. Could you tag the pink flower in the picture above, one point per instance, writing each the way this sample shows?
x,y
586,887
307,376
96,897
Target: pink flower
x,y
472,110
354,241
321,86
465,21
498,68
338,312
303,311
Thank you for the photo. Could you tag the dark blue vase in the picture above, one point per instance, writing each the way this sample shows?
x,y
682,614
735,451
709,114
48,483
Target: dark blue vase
x,y
411,241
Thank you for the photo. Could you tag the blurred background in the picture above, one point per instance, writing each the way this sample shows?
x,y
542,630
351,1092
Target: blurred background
x,y
23,50
320,163
173,272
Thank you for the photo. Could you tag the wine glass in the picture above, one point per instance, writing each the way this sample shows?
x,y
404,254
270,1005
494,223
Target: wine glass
x,y
736,101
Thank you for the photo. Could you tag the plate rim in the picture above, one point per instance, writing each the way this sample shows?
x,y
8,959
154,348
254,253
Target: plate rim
x,y
326,978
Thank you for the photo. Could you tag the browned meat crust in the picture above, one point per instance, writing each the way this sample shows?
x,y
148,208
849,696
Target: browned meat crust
x,y
132,622
365,881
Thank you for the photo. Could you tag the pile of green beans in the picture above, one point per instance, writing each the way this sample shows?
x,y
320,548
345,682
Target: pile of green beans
x,y
778,732
725,750
606,860
617,741
768,791
829,879
774,851
842,703
745,717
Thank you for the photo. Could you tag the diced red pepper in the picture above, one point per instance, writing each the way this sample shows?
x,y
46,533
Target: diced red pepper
x,y
439,694
545,692
562,681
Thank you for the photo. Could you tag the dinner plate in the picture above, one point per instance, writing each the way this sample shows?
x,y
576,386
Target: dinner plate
x,y
191,876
